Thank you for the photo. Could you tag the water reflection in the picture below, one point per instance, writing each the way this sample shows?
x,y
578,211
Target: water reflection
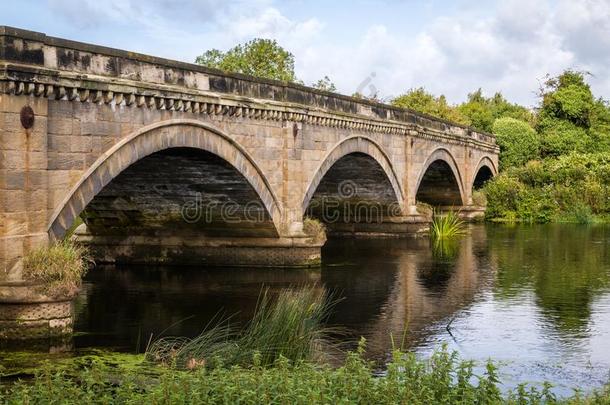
x,y
536,298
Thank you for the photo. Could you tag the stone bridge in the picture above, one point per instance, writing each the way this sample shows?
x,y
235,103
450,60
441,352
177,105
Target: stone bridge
x,y
170,161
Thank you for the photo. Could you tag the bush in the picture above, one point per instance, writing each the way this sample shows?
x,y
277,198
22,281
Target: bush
x,y
58,268
503,193
552,189
518,141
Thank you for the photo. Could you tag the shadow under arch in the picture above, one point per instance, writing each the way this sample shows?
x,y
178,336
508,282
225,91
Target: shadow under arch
x,y
440,182
354,145
485,171
176,133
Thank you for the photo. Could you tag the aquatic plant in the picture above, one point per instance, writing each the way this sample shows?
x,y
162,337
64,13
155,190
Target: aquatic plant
x,y
446,225
289,326
58,268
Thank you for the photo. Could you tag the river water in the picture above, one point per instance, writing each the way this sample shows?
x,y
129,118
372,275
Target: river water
x,y
534,298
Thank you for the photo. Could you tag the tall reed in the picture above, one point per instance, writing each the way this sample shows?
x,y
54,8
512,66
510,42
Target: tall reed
x,y
290,325
446,225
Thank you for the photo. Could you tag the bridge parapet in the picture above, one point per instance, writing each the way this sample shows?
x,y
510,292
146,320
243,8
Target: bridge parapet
x,y
33,63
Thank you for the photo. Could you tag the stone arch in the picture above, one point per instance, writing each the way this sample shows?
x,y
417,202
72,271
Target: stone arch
x,y
443,155
175,133
484,162
354,144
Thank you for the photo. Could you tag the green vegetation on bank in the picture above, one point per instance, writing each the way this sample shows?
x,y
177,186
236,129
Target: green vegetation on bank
x,y
442,379
554,160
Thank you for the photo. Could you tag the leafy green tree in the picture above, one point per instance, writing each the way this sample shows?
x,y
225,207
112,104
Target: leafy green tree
x,y
422,101
325,84
258,57
482,111
518,141
565,115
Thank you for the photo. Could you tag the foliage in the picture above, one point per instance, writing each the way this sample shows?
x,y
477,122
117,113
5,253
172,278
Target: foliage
x,y
569,118
482,112
518,141
290,327
422,101
325,84
446,225
259,57
59,268
441,379
554,189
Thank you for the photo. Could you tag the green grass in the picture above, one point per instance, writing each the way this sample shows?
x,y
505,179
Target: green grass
x,y
441,379
58,268
289,326
446,225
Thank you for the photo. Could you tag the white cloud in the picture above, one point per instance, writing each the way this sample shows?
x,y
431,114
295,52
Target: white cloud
x,y
506,50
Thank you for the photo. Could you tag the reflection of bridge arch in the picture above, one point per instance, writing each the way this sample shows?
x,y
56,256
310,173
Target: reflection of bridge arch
x,y
440,181
413,305
354,145
157,137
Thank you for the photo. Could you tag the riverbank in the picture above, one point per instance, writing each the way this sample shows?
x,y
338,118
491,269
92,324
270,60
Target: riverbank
x,y
443,378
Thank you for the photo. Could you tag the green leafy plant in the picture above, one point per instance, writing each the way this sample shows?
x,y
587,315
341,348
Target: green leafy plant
x,y
443,378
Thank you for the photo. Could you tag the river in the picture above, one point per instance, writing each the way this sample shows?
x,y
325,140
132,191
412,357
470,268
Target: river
x,y
536,299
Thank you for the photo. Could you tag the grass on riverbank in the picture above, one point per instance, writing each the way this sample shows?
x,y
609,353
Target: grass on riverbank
x,y
442,379
289,326
59,268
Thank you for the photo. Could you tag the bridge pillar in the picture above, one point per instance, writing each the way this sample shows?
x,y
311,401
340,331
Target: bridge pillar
x,y
25,310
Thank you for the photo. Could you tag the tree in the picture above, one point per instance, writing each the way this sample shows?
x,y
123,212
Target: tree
x,y
566,112
422,101
518,141
259,57
324,84
482,111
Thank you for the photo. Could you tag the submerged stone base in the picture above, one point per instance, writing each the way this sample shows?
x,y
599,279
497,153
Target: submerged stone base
x,y
415,225
251,252
27,314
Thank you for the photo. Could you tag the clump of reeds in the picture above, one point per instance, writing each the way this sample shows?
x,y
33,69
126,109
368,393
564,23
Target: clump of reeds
x,y
57,268
446,225
289,326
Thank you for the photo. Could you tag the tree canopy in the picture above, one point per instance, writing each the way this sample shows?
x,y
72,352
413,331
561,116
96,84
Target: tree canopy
x,y
259,57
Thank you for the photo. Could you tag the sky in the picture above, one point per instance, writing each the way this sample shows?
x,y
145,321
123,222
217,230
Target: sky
x,y
384,47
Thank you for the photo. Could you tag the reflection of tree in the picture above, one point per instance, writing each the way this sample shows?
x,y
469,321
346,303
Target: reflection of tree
x,y
565,265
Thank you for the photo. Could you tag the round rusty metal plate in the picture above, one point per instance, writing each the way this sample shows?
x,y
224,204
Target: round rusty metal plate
x,y
27,117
